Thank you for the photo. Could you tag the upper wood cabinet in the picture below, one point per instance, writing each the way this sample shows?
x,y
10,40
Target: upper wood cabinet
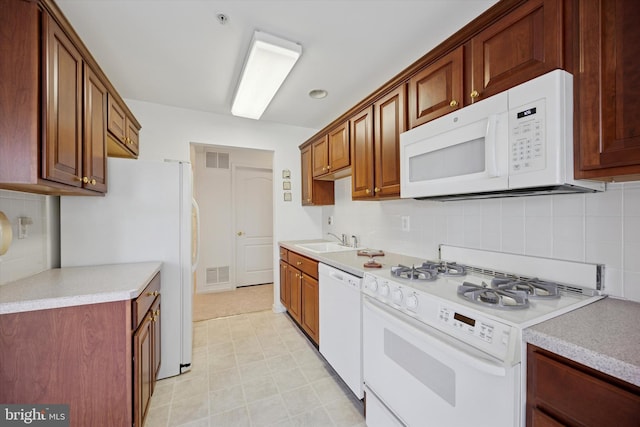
x,y
390,121
437,89
375,147
95,132
314,192
63,142
524,44
74,145
123,131
607,90
362,169
53,136
331,153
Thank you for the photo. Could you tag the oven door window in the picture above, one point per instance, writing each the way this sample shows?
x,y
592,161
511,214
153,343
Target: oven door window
x,y
422,374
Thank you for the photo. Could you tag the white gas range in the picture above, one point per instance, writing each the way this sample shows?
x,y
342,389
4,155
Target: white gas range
x,y
440,339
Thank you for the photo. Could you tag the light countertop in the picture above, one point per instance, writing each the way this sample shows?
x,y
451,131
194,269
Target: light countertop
x,y
604,336
70,286
349,261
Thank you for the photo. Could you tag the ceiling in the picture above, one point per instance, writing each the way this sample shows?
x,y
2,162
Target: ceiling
x,y
175,52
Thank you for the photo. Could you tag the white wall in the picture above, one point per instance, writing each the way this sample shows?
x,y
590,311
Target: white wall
x,y
39,250
596,228
168,131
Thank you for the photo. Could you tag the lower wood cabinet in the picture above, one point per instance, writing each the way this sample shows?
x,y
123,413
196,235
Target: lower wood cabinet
x,y
100,359
299,291
561,392
146,348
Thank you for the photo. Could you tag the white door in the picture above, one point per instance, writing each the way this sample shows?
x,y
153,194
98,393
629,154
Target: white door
x,y
253,206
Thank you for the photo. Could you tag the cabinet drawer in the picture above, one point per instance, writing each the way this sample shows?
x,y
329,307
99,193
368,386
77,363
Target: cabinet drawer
x,y
141,305
304,264
574,396
284,254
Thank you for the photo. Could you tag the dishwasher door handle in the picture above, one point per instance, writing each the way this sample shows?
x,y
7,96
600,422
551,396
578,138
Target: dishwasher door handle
x,y
336,276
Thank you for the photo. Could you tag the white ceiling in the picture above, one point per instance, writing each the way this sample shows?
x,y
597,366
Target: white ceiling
x,y
174,52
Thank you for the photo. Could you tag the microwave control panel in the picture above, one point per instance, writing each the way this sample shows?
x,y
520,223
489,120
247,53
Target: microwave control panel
x,y
527,139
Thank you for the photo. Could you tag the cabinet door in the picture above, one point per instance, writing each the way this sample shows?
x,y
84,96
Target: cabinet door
x,y
524,44
437,89
389,123
117,124
307,175
310,307
20,130
284,292
314,192
607,87
295,293
133,137
577,395
157,341
339,154
540,419
142,369
320,156
62,148
95,132
362,153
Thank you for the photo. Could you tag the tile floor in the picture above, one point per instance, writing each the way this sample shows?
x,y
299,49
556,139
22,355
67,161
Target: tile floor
x,y
253,370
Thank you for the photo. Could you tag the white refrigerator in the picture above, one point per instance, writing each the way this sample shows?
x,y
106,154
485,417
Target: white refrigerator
x,y
146,215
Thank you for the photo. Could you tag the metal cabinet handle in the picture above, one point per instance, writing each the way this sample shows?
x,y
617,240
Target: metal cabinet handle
x,y
474,94
453,103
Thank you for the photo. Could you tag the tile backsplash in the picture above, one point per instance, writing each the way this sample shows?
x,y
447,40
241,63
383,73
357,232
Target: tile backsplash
x,y
37,251
596,228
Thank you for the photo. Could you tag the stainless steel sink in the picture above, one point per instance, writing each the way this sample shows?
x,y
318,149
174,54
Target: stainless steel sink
x,y
321,247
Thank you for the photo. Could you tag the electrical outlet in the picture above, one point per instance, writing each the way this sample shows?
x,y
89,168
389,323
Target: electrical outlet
x,y
405,223
330,220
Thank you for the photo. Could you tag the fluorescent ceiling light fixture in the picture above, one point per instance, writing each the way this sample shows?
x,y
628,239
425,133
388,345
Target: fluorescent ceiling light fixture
x,y
268,64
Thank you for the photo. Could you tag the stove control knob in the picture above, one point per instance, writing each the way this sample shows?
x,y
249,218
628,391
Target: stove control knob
x,y
371,284
384,290
412,301
396,295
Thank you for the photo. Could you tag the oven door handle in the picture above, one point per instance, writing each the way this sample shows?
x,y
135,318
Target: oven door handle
x,y
449,346
491,138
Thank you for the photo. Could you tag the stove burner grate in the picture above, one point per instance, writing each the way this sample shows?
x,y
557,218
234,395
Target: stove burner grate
x,y
428,271
414,273
534,288
493,297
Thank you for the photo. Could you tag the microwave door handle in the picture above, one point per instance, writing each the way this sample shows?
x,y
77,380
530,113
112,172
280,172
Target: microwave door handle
x,y
490,146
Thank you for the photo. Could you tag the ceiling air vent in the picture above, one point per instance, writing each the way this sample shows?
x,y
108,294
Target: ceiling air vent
x,y
217,160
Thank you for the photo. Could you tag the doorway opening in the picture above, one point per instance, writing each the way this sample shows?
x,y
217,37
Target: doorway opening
x,y
233,188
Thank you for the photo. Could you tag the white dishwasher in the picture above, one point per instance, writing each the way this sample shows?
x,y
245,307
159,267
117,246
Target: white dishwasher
x,y
341,325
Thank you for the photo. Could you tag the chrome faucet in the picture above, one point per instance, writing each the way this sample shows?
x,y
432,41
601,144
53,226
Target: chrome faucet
x,y
343,240
354,238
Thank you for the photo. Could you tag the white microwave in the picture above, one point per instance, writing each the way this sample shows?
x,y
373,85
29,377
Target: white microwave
x,y
518,142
